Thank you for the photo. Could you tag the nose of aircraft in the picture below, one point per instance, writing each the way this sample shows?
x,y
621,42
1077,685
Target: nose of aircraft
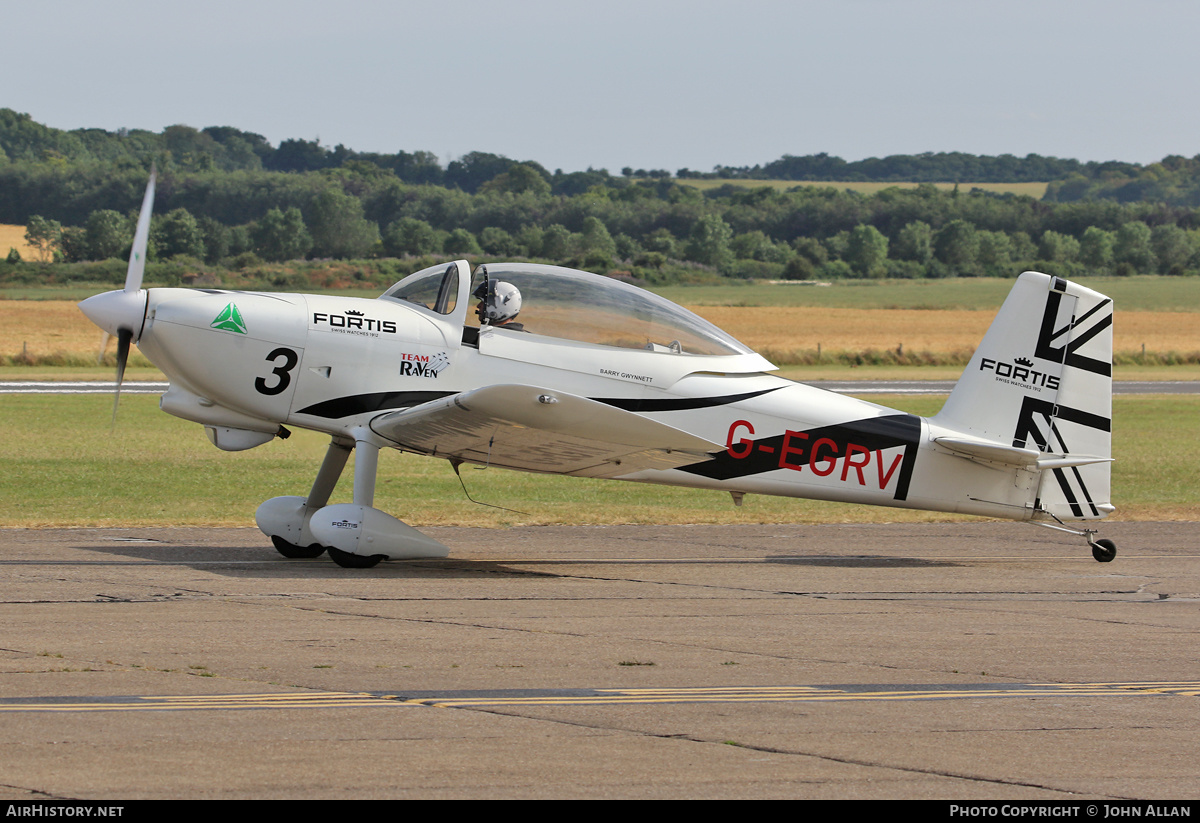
x,y
116,310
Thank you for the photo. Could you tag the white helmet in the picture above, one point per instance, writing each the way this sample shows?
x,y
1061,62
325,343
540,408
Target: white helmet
x,y
501,301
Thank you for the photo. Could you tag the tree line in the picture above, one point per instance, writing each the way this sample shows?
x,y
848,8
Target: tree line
x,y
657,231
225,148
227,198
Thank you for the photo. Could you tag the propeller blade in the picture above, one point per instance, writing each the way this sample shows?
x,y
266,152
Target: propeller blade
x,y
141,238
103,347
124,336
124,312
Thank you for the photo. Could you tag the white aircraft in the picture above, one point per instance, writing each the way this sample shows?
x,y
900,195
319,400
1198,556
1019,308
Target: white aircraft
x,y
545,369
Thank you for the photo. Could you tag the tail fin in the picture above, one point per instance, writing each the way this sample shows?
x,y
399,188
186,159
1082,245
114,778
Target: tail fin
x,y
1042,379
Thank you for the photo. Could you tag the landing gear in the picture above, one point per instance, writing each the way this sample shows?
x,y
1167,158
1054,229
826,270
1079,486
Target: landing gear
x,y
356,535
293,552
286,519
1104,550
354,561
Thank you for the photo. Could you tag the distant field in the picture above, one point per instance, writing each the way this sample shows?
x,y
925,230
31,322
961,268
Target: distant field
x,y
1034,190
1143,293
45,327
48,327
13,237
947,331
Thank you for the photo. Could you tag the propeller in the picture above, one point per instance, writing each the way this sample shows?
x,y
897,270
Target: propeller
x,y
133,281
123,338
141,237
123,312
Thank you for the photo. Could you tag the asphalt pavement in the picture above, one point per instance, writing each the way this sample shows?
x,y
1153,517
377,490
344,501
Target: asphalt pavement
x,y
949,661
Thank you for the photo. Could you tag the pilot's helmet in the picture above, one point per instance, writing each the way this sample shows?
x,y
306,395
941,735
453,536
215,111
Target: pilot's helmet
x,y
501,301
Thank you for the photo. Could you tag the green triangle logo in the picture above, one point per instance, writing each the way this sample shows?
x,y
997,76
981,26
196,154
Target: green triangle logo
x,y
230,319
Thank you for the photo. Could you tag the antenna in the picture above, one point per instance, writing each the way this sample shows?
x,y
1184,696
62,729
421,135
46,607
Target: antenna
x,y
454,464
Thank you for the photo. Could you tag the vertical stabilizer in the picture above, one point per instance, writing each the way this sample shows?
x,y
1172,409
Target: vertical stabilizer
x,y
1042,379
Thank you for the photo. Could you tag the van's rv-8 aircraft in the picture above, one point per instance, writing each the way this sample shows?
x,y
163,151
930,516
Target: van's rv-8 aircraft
x,y
545,369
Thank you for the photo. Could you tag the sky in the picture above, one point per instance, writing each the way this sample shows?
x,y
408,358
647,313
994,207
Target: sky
x,y
640,83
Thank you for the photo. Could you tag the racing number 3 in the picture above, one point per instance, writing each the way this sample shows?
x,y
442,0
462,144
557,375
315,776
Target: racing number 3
x,y
283,372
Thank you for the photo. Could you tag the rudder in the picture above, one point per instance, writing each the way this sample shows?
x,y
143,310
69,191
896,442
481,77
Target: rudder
x,y
1042,379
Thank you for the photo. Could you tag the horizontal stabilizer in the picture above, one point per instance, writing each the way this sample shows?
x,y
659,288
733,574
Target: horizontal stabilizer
x,y
1068,460
988,450
1015,456
536,429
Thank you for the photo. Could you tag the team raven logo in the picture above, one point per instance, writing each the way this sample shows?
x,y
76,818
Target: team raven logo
x,y
423,365
229,319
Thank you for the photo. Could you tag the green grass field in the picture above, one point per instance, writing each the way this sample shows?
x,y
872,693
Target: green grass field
x,y
64,466
1141,293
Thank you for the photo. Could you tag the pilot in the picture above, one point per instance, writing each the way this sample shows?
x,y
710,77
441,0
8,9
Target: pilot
x,y
499,304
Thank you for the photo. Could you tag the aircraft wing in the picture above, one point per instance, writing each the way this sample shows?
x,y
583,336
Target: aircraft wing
x,y
542,430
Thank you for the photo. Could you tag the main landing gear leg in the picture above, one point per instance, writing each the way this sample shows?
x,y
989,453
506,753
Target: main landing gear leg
x,y
285,519
327,477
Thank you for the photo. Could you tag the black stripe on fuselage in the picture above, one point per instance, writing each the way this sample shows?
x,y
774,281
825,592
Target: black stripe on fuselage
x,y
340,407
637,404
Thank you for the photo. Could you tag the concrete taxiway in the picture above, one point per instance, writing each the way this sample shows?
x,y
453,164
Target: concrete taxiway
x,y
954,661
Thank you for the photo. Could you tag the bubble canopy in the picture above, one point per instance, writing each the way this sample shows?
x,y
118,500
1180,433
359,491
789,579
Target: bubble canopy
x,y
579,306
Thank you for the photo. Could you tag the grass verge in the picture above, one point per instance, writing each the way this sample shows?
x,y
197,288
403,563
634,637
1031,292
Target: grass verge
x,y
65,467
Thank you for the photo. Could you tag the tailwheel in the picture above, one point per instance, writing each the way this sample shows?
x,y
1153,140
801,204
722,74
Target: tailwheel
x,y
1104,550
354,561
294,552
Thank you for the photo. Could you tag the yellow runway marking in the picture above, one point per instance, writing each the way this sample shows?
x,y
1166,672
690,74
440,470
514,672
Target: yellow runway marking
x,y
815,694
202,702
595,697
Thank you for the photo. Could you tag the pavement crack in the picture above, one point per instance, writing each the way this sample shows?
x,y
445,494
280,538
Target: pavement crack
x,y
35,794
436,622
874,764
829,758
